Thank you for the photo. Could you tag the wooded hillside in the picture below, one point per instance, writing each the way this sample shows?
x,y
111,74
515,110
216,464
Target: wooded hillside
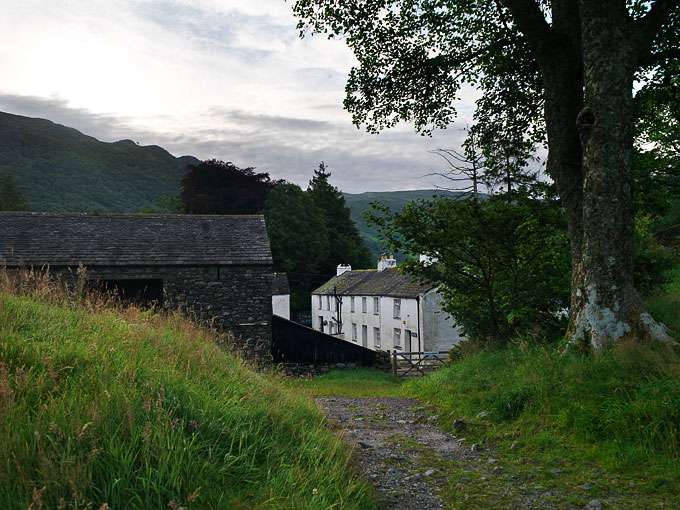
x,y
61,169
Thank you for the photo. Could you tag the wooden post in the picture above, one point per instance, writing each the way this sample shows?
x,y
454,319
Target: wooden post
x,y
393,355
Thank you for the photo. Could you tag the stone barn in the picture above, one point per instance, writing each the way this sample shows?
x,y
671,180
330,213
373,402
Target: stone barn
x,y
218,267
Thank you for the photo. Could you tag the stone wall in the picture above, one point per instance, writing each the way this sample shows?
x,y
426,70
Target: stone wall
x,y
382,363
232,298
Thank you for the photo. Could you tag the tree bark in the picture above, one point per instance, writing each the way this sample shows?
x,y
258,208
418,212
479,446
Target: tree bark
x,y
605,306
592,47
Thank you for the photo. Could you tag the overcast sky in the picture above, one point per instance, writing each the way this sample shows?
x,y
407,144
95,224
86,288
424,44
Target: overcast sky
x,y
225,79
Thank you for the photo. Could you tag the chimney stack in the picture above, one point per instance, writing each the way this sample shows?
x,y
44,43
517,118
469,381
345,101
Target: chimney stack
x,y
386,263
342,268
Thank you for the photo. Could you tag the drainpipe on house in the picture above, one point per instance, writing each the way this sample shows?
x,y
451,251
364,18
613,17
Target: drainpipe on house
x,y
338,308
420,348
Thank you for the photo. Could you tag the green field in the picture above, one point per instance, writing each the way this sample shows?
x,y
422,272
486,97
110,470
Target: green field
x,y
104,408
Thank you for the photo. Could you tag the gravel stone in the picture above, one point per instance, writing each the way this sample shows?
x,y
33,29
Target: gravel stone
x,y
595,504
411,488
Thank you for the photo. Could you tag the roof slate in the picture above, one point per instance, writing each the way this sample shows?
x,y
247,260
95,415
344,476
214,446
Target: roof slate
x,y
67,239
389,282
280,284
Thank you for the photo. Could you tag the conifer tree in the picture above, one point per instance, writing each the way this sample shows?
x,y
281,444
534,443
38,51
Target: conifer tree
x,y
11,197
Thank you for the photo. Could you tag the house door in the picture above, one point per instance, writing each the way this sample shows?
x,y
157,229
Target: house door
x,y
364,335
407,341
321,323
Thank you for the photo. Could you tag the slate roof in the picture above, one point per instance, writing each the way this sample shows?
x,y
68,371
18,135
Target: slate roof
x,y
280,284
389,282
66,239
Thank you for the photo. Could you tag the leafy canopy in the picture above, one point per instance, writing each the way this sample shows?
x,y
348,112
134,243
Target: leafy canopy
x,y
345,244
216,187
502,263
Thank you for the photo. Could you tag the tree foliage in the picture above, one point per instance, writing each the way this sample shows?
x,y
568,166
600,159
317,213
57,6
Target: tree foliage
x,y
216,187
299,239
345,245
310,233
166,205
502,263
559,71
11,197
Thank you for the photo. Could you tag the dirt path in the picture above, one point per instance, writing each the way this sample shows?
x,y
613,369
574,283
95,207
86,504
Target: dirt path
x,y
410,461
401,452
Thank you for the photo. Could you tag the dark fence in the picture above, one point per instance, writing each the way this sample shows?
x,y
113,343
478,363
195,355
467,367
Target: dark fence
x,y
295,343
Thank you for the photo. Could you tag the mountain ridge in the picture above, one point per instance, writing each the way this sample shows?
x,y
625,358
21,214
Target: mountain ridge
x,y
62,169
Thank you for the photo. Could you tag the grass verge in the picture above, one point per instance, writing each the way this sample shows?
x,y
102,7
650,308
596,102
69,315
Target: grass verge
x,y
571,426
103,408
358,382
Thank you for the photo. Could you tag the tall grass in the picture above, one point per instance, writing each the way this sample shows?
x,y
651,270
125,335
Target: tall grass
x,y
118,408
627,401
360,382
621,408
664,303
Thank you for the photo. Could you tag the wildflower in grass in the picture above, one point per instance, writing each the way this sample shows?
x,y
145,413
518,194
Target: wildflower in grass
x,y
314,492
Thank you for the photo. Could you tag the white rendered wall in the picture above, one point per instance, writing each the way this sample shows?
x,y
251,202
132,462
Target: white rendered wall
x,y
281,305
439,331
384,321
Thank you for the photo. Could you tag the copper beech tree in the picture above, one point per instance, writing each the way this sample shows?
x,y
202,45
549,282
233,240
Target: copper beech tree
x,y
565,68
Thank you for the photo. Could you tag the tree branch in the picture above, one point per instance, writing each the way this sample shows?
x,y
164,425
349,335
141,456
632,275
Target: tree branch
x,y
647,27
530,21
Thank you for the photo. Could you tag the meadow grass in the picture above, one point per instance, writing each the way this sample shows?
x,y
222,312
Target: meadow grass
x,y
358,382
664,303
118,408
570,412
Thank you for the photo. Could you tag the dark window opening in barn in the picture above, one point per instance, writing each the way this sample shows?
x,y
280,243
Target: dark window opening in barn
x,y
147,293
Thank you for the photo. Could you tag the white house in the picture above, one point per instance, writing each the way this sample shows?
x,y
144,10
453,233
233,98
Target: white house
x,y
280,296
384,310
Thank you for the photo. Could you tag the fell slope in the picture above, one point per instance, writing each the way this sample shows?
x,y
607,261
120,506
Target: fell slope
x,y
360,202
61,169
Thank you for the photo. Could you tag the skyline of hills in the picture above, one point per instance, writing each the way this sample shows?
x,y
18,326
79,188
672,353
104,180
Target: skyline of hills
x,y
64,170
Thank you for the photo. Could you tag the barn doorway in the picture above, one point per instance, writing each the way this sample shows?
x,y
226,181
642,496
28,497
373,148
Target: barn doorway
x,y
147,293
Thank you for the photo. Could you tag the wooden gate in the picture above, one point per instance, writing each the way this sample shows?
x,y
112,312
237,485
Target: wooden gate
x,y
417,364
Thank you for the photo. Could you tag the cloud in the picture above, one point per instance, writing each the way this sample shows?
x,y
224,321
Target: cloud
x,y
225,79
104,127
286,147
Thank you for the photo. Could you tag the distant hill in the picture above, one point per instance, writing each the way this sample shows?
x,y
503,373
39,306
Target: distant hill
x,y
358,203
61,169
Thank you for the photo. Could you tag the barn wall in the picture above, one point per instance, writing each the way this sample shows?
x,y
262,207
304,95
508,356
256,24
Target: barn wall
x,y
233,298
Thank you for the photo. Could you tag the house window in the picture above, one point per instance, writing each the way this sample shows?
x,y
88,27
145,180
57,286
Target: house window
x,y
397,308
328,302
364,307
354,332
376,306
351,304
376,337
320,302
397,338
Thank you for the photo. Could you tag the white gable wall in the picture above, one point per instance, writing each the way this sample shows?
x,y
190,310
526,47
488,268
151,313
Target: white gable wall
x,y
281,305
439,331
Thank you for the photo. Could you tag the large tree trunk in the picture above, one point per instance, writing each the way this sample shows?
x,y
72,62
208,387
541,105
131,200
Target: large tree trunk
x,y
605,306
